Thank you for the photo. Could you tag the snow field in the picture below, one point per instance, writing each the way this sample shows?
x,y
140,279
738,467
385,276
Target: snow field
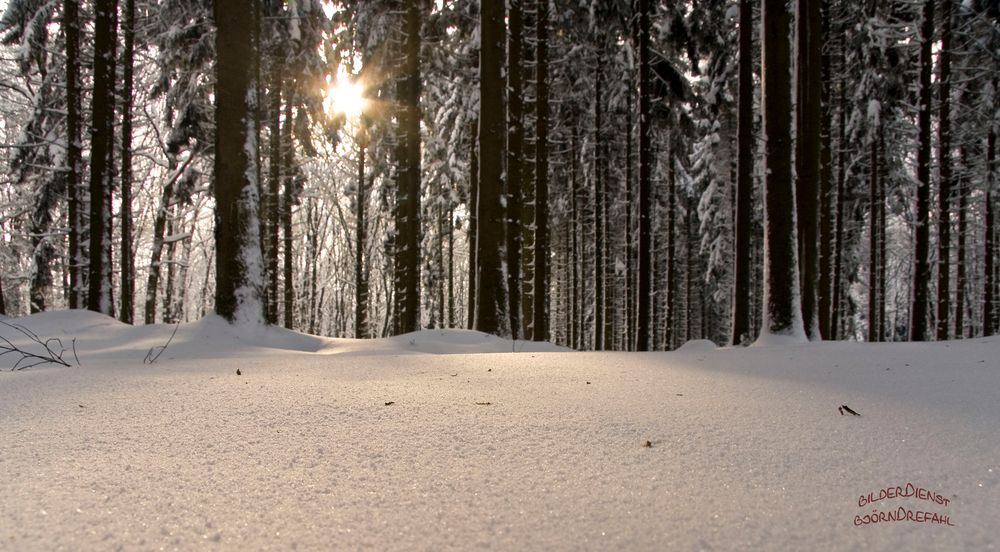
x,y
748,449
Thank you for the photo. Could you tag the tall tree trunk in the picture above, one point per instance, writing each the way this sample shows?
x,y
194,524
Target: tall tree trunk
x,y
645,186
360,239
74,174
824,292
515,153
944,166
629,232
270,203
128,259
669,311
451,266
102,131
990,234
491,310
577,302
599,198
960,282
408,192
782,309
742,270
882,179
239,276
809,109
873,257
473,234
287,201
540,331
921,245
838,223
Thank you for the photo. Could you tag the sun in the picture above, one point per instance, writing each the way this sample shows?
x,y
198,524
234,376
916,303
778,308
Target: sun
x,y
345,96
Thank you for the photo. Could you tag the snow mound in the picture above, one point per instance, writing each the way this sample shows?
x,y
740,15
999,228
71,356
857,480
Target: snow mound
x,y
441,342
99,338
698,345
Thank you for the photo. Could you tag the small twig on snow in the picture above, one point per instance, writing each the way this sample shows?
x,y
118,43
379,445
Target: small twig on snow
x,y
28,359
152,358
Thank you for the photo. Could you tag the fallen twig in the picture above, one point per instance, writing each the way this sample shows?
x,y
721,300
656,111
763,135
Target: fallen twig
x,y
150,357
28,359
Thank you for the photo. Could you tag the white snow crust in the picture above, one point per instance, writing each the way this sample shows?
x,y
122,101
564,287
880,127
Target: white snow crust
x,y
482,448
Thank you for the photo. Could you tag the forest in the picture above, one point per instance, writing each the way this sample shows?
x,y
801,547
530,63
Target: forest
x,y
605,175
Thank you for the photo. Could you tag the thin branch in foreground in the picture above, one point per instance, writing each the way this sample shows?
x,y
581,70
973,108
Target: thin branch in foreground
x,y
28,359
151,357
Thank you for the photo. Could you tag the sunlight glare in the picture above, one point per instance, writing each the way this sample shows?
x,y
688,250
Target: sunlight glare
x,y
345,96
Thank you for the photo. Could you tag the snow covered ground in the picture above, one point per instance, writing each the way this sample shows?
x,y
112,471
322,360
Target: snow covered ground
x,y
392,445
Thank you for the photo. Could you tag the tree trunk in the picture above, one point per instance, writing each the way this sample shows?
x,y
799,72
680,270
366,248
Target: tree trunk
x,y
873,208
944,166
742,270
824,292
360,281
671,253
491,310
102,133
990,247
128,259
473,235
74,174
599,198
960,282
408,192
809,111
782,309
515,152
239,272
577,302
540,328
645,186
287,201
629,233
270,203
921,265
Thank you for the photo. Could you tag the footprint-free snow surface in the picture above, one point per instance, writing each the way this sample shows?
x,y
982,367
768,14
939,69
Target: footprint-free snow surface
x,y
452,440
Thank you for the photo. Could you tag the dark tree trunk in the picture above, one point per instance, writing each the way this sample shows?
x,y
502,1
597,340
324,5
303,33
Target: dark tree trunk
x,y
239,274
671,252
540,331
824,293
990,246
491,310
742,270
360,279
269,202
128,259
451,267
102,132
408,193
515,153
838,223
921,245
629,232
809,110
963,223
74,174
577,302
287,201
473,235
944,166
782,311
645,185
599,198
873,257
